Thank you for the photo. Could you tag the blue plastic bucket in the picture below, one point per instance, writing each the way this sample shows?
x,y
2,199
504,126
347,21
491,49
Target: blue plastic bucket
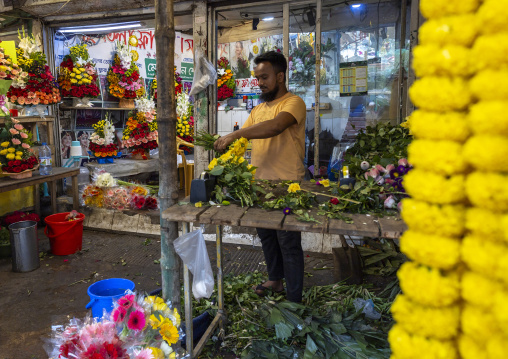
x,y
103,292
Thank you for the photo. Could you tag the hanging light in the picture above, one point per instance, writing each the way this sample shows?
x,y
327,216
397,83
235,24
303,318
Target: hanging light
x,y
100,28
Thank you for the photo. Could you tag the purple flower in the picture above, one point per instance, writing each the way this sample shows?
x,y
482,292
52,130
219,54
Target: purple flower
x,y
394,174
402,170
287,211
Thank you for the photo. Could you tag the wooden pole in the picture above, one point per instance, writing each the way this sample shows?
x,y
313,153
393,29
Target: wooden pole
x,y
317,93
166,118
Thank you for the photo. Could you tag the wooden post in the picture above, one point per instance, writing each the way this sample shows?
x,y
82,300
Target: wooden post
x,y
317,119
200,27
166,118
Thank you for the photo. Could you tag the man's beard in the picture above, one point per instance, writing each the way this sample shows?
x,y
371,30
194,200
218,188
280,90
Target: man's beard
x,y
269,96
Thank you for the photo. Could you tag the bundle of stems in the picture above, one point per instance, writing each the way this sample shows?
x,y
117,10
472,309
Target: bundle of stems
x,y
205,139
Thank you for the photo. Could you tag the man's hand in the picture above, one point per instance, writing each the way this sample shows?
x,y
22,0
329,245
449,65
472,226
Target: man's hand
x,y
223,142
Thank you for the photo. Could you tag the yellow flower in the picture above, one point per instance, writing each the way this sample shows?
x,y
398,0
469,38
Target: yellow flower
x,y
450,126
226,157
73,74
429,155
160,306
19,153
18,158
10,156
212,164
73,81
4,152
294,187
240,159
325,183
198,204
5,144
157,353
11,149
169,333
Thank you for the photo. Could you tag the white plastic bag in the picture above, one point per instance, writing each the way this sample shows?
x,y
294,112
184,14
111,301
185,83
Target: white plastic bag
x,y
191,247
204,72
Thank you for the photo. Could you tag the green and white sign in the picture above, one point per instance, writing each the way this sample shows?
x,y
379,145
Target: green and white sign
x,y
150,67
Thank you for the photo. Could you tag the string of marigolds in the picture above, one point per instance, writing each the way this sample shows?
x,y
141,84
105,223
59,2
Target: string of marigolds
x,y
455,288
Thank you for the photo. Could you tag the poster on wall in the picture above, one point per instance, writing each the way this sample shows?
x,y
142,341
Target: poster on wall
x,y
103,48
353,78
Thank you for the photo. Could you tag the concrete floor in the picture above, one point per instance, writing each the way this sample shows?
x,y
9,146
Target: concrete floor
x,y
32,302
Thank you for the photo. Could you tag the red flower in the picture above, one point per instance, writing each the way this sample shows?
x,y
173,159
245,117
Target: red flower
x,y
334,201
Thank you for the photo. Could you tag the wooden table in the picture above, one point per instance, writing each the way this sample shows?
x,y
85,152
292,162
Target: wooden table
x,y
364,225
9,184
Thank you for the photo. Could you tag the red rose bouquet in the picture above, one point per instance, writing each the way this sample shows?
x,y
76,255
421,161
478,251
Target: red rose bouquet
x,y
140,133
77,74
40,86
102,140
123,75
16,154
226,82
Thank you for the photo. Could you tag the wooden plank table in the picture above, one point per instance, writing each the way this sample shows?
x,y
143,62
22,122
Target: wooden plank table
x,y
9,184
233,215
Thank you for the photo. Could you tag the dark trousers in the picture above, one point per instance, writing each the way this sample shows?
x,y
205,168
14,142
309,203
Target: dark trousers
x,y
284,259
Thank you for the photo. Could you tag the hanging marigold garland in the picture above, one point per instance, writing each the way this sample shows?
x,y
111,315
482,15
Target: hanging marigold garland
x,y
455,288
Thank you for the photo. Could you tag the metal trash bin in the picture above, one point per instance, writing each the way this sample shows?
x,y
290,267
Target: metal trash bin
x,y
25,249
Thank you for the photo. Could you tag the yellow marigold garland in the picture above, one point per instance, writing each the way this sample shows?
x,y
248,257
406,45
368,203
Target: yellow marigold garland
x,y
440,93
450,126
491,17
484,257
479,149
478,323
429,286
490,51
470,349
436,251
452,60
407,346
490,85
441,220
487,224
439,323
488,118
428,155
434,188
435,8
485,190
459,30
480,290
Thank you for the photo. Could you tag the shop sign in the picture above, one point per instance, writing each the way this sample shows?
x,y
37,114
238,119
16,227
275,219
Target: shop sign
x,y
187,71
151,68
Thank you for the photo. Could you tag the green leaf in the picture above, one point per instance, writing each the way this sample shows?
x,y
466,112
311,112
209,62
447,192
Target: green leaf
x,y
311,345
275,317
282,331
269,195
376,258
217,170
228,177
247,175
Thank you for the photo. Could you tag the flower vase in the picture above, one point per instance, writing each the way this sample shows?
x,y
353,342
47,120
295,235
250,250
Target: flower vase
x,y
81,102
126,103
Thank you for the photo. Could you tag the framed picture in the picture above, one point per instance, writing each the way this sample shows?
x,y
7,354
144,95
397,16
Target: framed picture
x,y
66,138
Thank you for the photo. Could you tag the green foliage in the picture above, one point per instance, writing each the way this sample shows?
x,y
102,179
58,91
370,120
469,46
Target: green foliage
x,y
4,236
382,144
303,69
295,201
325,325
205,140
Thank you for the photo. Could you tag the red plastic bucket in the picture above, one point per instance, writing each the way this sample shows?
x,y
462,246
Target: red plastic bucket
x,y
65,237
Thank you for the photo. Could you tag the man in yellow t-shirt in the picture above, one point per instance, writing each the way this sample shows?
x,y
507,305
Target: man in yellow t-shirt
x,y
277,130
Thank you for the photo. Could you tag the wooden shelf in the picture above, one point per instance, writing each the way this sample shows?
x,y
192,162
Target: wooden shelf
x,y
30,119
96,108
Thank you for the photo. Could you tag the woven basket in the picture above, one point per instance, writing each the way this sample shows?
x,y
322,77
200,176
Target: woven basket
x,y
126,103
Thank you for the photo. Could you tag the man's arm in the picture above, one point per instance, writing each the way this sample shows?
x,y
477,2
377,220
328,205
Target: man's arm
x,y
265,129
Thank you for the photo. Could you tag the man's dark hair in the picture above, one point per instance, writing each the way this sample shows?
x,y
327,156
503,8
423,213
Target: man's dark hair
x,y
277,60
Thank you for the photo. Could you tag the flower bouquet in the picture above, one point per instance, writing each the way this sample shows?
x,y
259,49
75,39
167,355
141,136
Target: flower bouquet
x,y
78,77
40,87
16,156
178,83
11,71
140,133
102,143
226,82
123,76
243,69
184,118
153,89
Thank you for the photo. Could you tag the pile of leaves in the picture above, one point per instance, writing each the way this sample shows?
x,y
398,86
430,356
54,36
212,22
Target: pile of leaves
x,y
325,325
4,235
380,144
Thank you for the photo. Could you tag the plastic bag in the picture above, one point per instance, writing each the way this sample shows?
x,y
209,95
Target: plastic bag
x,y
367,308
191,248
204,72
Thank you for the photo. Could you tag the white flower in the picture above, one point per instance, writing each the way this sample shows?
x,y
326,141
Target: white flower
x,y
166,348
124,54
221,72
105,180
81,61
145,105
28,45
182,104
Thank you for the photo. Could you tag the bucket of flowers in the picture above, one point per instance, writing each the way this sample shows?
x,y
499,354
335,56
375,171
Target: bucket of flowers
x,y
125,83
225,82
78,77
102,144
17,159
40,85
140,133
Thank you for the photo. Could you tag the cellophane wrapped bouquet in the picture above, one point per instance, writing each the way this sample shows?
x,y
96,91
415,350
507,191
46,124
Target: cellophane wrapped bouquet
x,y
102,141
226,82
123,76
40,86
184,118
139,327
9,70
16,154
140,133
77,74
